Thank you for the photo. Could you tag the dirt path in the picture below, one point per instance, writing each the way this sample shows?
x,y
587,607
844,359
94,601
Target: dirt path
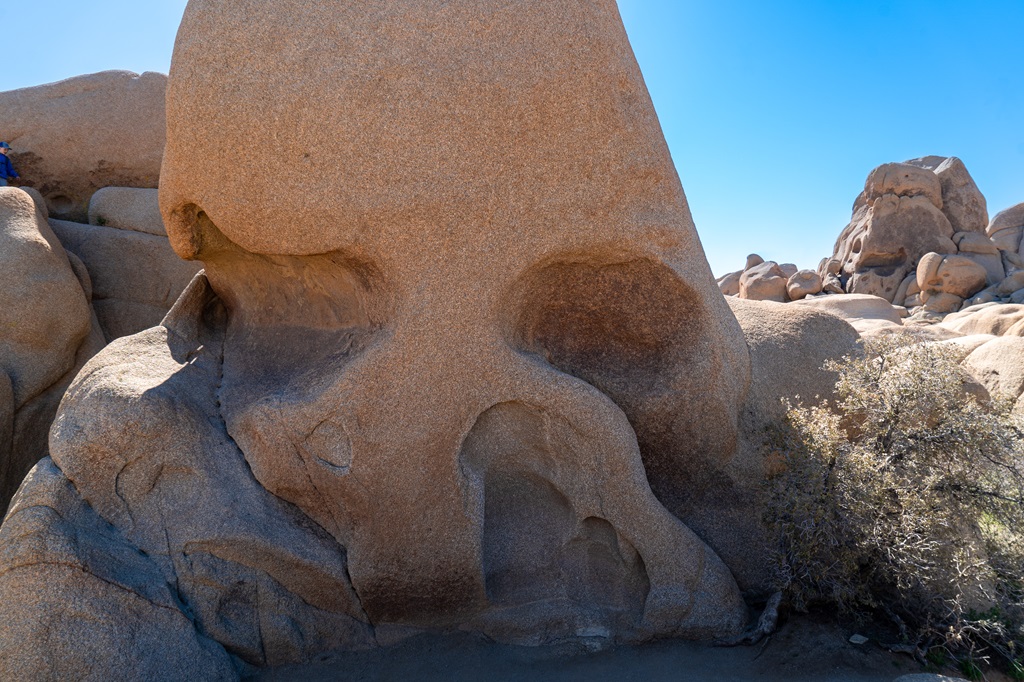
x,y
802,651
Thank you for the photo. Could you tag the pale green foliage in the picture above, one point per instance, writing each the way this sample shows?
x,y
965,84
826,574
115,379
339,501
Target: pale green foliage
x,y
905,497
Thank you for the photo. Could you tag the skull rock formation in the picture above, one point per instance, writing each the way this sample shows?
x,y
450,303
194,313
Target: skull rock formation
x,y
459,364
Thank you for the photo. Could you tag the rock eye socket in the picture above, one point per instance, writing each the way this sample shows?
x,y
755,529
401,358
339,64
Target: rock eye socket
x,y
610,324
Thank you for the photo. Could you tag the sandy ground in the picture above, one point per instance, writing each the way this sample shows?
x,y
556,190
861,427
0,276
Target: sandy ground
x,y
802,650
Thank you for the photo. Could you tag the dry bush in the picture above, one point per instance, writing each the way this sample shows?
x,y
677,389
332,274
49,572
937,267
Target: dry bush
x,y
905,498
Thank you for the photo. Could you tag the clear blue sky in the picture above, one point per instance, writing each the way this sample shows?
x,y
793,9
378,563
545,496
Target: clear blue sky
x,y
775,111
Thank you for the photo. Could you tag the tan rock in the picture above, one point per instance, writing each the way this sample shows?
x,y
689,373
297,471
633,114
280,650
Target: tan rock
x,y
990,318
954,275
789,269
941,302
30,439
962,201
886,239
43,310
963,346
764,282
914,331
802,284
428,355
71,138
38,199
730,284
999,366
982,251
752,260
127,208
903,180
1006,228
789,345
908,287
987,295
862,311
136,277
973,242
45,321
1011,283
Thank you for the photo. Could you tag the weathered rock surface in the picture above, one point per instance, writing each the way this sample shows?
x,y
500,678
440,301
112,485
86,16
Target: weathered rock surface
x,y
729,284
990,318
862,311
983,251
962,201
45,322
69,574
127,208
802,284
43,312
1006,229
909,209
789,344
442,368
71,138
764,282
945,281
999,366
136,277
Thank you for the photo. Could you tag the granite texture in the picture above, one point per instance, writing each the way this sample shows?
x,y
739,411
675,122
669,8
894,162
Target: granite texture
x,y
73,137
456,359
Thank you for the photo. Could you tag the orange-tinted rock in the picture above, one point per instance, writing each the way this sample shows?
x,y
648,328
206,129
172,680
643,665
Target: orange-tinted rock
x,y
71,138
453,342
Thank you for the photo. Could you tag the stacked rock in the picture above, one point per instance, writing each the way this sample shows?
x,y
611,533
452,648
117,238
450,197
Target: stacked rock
x,y
762,280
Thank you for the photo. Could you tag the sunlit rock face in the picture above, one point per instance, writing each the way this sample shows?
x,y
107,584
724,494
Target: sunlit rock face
x,y
457,359
897,219
47,331
76,136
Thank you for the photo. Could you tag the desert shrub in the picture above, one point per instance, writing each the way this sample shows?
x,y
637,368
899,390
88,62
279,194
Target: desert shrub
x,y
905,498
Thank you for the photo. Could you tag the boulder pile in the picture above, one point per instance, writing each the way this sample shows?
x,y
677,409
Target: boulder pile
x,y
919,241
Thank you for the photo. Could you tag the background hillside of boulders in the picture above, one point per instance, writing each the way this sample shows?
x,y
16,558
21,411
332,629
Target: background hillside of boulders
x,y
921,259
84,253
